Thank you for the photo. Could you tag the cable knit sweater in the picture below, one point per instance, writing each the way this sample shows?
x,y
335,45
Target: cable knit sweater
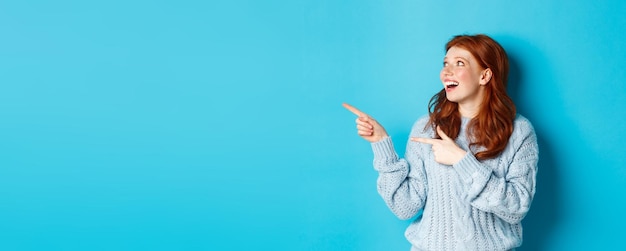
x,y
471,205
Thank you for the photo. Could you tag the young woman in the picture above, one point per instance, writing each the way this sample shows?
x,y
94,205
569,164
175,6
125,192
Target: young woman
x,y
470,165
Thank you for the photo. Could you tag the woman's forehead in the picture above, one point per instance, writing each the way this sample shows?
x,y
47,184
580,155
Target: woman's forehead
x,y
456,51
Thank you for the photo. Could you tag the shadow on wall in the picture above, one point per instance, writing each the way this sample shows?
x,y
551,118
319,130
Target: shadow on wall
x,y
542,219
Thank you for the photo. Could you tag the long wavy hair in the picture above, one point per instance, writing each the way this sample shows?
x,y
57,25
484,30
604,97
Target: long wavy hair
x,y
493,125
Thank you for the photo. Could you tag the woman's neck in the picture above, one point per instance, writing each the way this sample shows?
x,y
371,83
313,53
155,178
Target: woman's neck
x,y
469,111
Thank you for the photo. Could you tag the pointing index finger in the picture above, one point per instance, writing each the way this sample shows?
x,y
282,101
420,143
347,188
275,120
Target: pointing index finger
x,y
354,110
424,140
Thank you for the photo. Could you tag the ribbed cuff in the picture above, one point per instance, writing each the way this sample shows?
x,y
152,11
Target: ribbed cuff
x,y
470,170
384,150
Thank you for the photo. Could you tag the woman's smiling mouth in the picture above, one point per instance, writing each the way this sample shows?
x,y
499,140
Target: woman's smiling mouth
x,y
450,85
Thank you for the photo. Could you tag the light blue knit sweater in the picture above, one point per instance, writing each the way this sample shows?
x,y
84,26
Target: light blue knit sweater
x,y
472,205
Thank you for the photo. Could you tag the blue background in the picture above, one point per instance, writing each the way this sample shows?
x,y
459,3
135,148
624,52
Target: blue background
x,y
217,125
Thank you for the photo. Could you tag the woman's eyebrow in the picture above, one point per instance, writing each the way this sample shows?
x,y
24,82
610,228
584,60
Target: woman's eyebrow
x,y
464,59
445,58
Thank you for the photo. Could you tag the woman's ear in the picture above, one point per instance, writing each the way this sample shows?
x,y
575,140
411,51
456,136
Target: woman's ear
x,y
485,77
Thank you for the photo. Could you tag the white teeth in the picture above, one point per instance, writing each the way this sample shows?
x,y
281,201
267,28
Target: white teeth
x,y
451,83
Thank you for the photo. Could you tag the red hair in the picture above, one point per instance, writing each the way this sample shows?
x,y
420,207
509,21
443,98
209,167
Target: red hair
x,y
493,125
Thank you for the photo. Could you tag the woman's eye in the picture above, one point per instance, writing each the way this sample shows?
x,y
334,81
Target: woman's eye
x,y
445,64
460,63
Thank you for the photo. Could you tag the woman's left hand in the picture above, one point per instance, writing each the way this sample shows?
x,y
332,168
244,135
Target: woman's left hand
x,y
445,150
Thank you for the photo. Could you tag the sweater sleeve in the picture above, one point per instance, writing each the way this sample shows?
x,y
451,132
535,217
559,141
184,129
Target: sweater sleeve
x,y
509,197
401,183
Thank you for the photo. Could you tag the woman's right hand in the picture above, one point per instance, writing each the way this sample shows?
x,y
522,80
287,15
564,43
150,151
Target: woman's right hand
x,y
367,127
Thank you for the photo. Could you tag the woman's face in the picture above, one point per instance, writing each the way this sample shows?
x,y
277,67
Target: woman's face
x,y
462,77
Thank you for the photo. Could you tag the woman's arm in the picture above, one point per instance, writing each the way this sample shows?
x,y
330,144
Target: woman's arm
x,y
402,185
401,182
509,197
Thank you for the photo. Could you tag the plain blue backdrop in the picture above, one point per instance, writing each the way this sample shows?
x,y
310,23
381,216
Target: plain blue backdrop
x,y
217,125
